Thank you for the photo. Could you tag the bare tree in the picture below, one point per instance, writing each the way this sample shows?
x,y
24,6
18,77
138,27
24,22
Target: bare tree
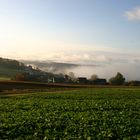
x,y
72,76
94,77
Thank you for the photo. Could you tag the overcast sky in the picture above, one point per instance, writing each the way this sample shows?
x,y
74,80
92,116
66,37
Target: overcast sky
x,y
104,32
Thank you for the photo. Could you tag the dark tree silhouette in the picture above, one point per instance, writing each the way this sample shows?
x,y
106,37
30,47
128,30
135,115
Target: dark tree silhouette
x,y
117,80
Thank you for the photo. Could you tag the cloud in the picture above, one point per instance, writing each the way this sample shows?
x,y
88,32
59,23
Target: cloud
x,y
133,14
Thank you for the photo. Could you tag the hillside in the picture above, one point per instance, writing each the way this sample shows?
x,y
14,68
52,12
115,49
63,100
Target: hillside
x,y
50,66
13,69
9,67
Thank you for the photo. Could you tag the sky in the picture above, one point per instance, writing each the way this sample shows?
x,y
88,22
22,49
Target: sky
x,y
105,33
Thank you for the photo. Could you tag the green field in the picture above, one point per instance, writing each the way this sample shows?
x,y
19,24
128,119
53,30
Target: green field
x,y
4,79
97,113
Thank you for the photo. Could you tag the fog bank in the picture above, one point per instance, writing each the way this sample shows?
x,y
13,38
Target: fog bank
x,y
130,71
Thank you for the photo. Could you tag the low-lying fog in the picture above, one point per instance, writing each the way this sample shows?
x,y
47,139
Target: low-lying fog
x,y
103,63
130,70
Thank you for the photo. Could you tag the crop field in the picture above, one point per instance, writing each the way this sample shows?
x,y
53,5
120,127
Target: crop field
x,y
10,85
93,113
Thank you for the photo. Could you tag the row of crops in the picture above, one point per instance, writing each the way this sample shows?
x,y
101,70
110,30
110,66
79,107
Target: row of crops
x,y
107,113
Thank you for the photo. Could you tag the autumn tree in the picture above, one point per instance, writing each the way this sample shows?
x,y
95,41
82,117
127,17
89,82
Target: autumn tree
x,y
20,77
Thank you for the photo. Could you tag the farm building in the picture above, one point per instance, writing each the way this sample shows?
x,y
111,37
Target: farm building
x,y
82,80
99,81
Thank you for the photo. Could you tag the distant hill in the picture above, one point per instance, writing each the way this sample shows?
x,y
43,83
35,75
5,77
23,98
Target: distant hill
x,y
50,66
9,68
16,70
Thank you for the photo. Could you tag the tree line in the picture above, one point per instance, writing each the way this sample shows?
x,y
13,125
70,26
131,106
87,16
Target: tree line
x,y
70,78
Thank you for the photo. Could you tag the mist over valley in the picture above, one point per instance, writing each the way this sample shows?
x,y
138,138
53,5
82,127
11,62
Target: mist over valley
x,y
103,70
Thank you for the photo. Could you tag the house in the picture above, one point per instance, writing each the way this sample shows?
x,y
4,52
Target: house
x,y
82,80
99,81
